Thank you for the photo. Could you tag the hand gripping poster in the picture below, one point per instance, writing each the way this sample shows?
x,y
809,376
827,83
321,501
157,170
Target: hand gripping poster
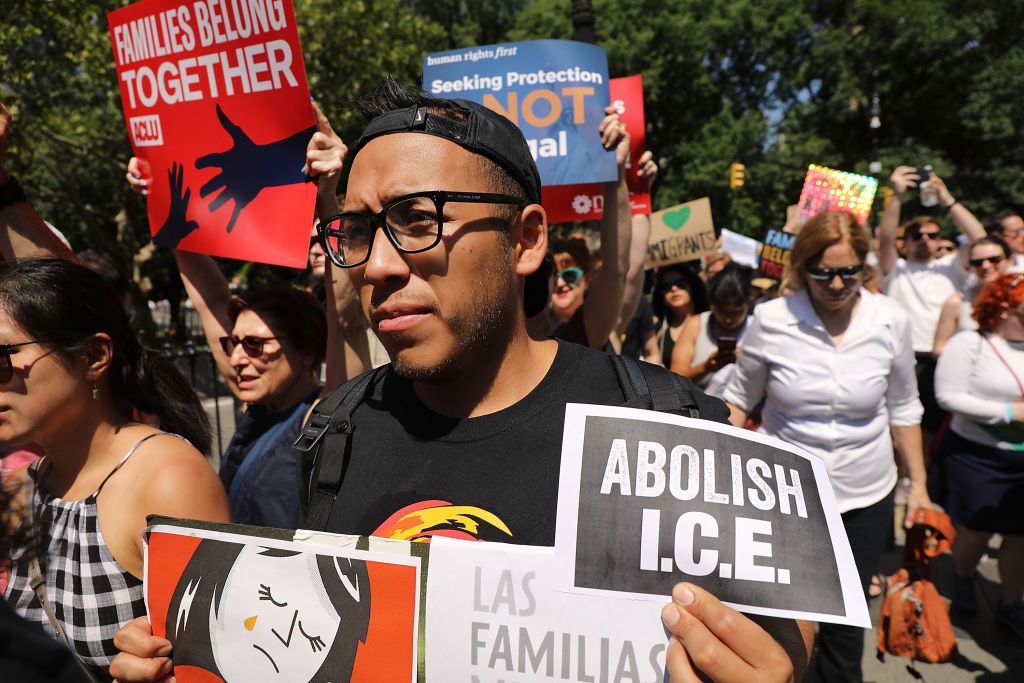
x,y
554,90
218,113
649,499
240,608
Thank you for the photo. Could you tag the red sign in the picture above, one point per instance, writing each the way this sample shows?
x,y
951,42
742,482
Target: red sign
x,y
216,104
567,203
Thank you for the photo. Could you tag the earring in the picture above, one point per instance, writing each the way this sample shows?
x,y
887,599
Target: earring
x,y
95,393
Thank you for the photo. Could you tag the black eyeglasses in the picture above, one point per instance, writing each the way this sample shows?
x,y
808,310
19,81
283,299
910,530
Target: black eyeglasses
x,y
828,274
412,222
6,364
251,344
994,260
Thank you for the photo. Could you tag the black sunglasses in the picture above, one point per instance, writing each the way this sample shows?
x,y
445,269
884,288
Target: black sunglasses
x,y
251,344
412,222
828,274
680,283
994,260
6,364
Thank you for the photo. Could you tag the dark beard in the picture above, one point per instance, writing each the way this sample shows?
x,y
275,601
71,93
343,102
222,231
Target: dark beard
x,y
485,328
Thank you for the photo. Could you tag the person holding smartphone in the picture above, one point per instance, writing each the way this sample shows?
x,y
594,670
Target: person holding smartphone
x,y
708,344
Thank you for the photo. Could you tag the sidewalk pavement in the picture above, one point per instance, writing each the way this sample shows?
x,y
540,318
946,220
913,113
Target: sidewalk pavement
x,y
988,652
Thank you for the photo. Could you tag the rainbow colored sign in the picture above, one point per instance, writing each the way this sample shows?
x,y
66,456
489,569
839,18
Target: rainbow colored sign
x,y
826,188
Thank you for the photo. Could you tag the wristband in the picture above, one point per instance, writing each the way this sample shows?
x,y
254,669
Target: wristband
x,y
950,207
11,192
1009,412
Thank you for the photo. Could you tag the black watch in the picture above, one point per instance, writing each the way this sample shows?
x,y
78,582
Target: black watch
x,y
11,192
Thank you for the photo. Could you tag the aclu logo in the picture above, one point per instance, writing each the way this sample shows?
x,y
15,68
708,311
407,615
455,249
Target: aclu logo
x,y
146,130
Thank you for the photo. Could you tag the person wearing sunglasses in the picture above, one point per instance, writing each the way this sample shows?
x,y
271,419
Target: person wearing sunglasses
x,y
834,366
987,258
1008,226
978,472
709,343
679,293
922,281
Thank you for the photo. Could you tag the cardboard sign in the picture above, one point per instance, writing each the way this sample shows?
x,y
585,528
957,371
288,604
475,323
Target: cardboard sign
x,y
681,233
554,90
648,499
775,254
217,107
567,203
744,250
826,188
494,614
250,608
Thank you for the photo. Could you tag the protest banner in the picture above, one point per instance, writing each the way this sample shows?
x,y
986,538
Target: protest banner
x,y
826,188
744,250
218,112
567,203
648,499
493,614
554,90
681,233
775,254
246,607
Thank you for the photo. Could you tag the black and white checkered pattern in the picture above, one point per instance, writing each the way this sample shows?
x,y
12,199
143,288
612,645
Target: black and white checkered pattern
x,y
92,595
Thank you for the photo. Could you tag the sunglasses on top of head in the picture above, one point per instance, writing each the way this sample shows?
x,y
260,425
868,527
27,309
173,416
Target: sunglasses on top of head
x,y
828,274
6,364
251,344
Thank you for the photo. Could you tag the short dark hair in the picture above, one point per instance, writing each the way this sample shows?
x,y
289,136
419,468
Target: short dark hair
x,y
730,284
392,95
291,313
575,247
912,228
994,222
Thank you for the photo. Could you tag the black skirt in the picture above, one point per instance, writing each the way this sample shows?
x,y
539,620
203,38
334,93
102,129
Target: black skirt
x,y
981,487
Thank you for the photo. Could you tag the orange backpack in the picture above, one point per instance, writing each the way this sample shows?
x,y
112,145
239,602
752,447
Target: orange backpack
x,y
915,618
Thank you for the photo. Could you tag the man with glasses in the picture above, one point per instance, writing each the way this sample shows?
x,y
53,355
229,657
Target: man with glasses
x,y
922,281
1008,226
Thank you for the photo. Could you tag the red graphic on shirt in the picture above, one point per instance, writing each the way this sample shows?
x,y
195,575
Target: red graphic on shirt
x,y
420,522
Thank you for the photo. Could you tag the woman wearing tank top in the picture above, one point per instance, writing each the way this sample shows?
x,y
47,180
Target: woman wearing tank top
x,y
71,375
696,354
679,295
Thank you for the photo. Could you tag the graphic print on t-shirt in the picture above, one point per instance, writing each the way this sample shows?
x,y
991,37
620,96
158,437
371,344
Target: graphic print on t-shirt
x,y
420,522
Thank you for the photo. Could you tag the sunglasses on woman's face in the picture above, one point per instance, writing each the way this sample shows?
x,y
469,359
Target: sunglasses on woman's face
x,y
678,284
251,344
571,276
828,274
979,262
6,364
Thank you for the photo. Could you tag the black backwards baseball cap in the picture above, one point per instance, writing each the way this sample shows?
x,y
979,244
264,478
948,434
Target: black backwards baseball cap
x,y
484,132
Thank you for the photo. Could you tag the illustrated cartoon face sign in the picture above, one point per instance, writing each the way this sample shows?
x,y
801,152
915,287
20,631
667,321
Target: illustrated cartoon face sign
x,y
275,616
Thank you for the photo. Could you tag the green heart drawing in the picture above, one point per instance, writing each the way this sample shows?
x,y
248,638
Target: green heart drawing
x,y
677,219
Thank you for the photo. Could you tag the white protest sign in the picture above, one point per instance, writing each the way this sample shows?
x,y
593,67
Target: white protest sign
x,y
648,499
493,614
744,250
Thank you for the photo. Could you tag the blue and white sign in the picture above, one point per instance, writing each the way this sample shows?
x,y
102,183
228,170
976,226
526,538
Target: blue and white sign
x,y
554,90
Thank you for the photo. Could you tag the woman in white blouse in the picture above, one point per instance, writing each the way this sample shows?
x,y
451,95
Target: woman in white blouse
x,y
978,474
835,366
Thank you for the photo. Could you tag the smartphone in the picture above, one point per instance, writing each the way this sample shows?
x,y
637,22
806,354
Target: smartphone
x,y
726,350
925,172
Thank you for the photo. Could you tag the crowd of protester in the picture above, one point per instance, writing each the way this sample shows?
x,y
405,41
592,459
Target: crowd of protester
x,y
894,357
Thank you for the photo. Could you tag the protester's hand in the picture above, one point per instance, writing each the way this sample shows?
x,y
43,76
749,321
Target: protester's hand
x,y
6,120
614,135
712,641
945,198
143,657
325,154
648,170
138,176
246,167
177,226
917,498
902,179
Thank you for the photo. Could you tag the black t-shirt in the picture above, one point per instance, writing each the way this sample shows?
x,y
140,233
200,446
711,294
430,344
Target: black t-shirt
x,y
641,324
415,474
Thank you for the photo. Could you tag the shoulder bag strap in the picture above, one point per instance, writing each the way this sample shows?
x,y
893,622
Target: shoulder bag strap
x,y
328,430
654,387
35,572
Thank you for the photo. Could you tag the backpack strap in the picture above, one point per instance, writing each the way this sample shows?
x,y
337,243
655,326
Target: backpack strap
x,y
653,387
324,445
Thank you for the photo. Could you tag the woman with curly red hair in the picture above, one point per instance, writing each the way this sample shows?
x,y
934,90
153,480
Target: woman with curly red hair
x,y
978,475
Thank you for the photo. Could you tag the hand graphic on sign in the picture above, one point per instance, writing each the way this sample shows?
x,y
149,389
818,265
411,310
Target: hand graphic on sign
x,y
247,167
177,226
